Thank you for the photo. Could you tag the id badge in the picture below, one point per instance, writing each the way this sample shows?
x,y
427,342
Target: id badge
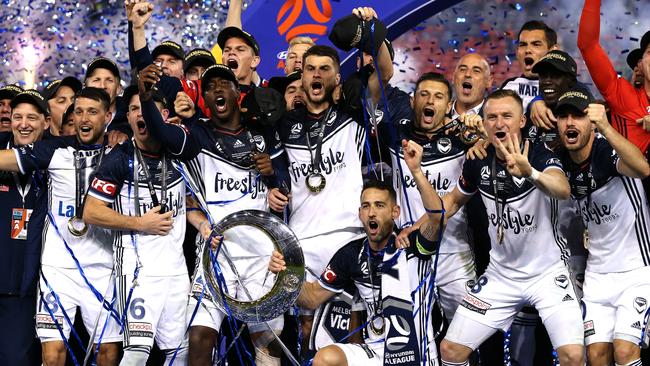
x,y
19,222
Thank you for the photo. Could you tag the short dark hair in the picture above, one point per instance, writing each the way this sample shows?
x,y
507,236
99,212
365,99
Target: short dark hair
x,y
549,33
505,93
434,76
380,185
97,94
320,50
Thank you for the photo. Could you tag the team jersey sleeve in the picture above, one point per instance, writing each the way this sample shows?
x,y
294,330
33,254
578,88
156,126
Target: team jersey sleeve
x,y
336,276
178,139
605,156
542,158
36,156
468,180
110,176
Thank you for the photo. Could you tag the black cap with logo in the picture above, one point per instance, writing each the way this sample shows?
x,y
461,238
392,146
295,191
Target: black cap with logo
x,y
351,32
168,48
218,70
198,56
34,98
280,83
102,63
558,60
69,81
578,98
10,91
232,32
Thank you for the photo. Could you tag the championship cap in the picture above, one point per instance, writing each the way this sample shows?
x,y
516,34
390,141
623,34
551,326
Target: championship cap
x,y
558,60
34,98
230,32
219,70
577,97
10,91
168,48
102,63
198,56
351,32
280,83
69,81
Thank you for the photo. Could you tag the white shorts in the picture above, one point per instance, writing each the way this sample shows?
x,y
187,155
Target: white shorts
x,y
616,305
454,272
318,250
495,300
72,292
156,310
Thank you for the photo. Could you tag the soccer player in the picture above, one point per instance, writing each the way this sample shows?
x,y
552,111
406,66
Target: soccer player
x,y
605,172
518,184
442,163
535,39
627,104
60,95
225,157
23,201
138,192
386,274
323,143
65,282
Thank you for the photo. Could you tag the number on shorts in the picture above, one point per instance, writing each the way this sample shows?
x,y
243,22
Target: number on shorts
x,y
478,286
136,309
50,302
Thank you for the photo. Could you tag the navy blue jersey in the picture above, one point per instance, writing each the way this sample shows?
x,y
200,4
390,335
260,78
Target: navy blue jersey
x,y
532,242
613,208
114,184
19,258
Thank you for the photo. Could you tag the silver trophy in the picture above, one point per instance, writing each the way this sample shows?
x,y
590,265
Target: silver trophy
x,y
248,291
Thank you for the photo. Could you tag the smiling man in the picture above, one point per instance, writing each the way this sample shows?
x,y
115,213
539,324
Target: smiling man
x,y
70,162
518,184
605,172
23,201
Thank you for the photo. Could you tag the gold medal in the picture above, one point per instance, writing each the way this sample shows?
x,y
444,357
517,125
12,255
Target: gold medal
x,y
585,238
315,182
77,227
377,325
500,234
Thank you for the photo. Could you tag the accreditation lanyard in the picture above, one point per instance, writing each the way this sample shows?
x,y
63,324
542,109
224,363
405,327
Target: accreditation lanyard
x,y
316,157
149,178
499,206
22,191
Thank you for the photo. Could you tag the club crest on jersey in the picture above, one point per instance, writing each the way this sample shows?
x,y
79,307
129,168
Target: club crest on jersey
x,y
532,132
562,281
379,115
444,145
519,181
485,173
640,304
260,144
295,129
331,118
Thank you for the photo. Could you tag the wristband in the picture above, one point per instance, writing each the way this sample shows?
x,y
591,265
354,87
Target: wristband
x,y
534,176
